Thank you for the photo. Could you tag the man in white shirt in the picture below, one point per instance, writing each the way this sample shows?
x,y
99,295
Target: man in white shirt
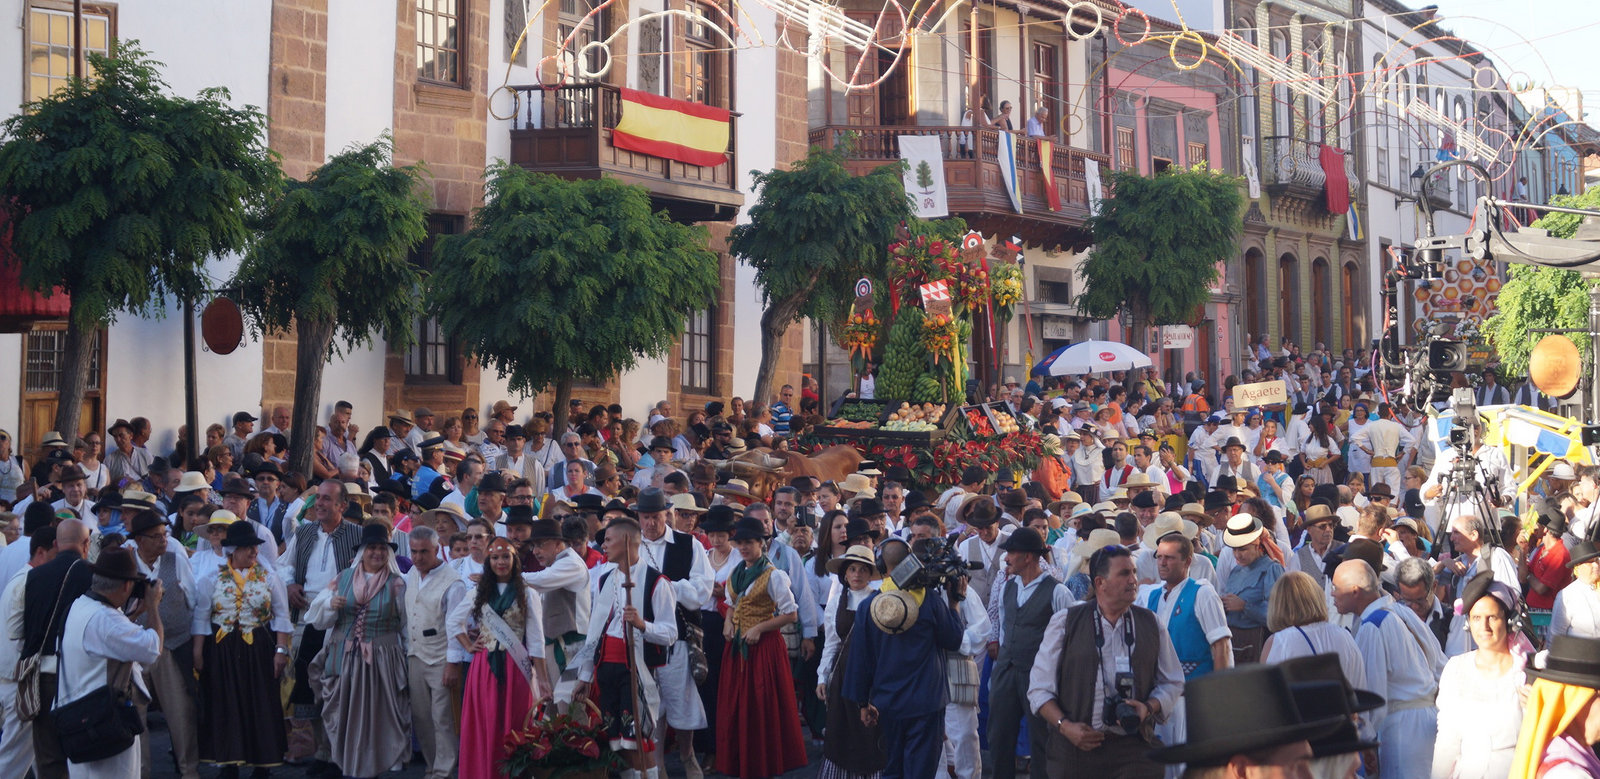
x,y
423,428
1203,448
563,584
1188,608
16,736
1385,440
1088,464
493,446
169,678
97,635
1030,598
1403,665
75,489
682,560
433,661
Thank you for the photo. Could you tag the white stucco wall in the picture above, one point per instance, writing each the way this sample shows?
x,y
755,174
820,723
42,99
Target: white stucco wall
x,y
360,103
11,386
757,100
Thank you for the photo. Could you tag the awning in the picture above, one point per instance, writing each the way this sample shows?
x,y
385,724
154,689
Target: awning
x,y
21,307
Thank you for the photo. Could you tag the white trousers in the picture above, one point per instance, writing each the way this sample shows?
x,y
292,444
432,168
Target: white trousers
x,y
16,738
680,698
1174,731
961,743
122,765
433,716
1389,475
1405,742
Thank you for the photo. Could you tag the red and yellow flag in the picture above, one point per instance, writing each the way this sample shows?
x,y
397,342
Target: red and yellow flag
x,y
1046,152
672,129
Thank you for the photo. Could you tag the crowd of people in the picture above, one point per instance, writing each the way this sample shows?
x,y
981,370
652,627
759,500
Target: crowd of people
x,y
1271,591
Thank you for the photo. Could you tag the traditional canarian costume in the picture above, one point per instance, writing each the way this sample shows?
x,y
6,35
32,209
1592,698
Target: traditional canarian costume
x,y
361,671
604,659
758,725
1193,616
850,749
236,614
501,685
1403,665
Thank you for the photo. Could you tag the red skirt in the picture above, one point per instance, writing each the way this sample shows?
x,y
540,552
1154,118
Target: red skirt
x,y
758,721
489,712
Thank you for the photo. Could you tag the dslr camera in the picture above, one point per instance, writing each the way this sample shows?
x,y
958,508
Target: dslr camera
x,y
1117,710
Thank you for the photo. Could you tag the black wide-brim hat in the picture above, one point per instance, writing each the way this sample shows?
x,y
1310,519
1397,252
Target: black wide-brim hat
x,y
749,529
373,534
1326,698
242,534
1237,711
1325,668
1030,541
857,527
1583,552
545,530
1570,660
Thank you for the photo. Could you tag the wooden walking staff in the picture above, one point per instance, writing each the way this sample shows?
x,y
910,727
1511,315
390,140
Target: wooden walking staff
x,y
643,723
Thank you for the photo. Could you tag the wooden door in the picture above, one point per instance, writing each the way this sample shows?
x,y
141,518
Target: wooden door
x,y
861,104
1204,343
41,378
894,94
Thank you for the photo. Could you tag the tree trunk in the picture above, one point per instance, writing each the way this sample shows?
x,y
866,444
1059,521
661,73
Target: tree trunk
x,y
775,322
563,399
1139,325
76,354
311,355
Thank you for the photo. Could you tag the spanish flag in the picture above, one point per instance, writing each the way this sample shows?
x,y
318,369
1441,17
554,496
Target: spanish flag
x,y
1047,170
672,129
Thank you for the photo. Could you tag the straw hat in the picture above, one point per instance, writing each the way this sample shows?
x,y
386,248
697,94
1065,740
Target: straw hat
x,y
1098,539
855,482
855,554
193,480
736,488
1140,480
222,517
1243,530
684,501
1194,511
1165,523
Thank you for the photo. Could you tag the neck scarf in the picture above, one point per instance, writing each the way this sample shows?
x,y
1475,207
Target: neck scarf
x,y
366,587
745,574
1552,706
500,603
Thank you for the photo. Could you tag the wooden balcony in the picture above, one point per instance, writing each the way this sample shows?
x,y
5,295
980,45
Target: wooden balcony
x,y
567,131
973,184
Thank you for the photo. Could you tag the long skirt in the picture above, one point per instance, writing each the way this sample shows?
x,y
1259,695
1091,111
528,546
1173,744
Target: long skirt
x,y
365,706
490,710
850,748
239,706
758,722
705,739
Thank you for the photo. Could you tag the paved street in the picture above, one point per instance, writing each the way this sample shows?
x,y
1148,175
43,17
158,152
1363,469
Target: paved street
x,y
163,768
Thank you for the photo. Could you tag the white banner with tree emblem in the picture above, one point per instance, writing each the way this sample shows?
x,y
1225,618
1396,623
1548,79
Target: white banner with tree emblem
x,y
924,176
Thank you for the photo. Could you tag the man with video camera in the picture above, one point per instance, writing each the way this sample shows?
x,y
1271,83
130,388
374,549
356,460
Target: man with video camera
x,y
896,671
1105,675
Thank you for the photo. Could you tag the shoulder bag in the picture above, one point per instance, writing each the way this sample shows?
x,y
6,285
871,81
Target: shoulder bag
x,y
28,704
103,723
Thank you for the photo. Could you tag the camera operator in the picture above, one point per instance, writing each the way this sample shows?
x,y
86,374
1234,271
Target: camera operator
x,y
897,673
1105,675
1492,474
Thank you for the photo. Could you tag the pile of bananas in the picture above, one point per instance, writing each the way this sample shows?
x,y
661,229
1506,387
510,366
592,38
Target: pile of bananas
x,y
903,359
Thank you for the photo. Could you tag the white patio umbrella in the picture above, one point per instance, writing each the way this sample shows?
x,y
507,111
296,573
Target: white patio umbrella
x,y
1091,357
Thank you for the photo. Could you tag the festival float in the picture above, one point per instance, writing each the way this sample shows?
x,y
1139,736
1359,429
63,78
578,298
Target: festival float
x,y
940,293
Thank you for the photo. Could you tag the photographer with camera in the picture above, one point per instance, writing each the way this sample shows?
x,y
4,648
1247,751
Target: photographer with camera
x,y
896,671
1105,675
1452,487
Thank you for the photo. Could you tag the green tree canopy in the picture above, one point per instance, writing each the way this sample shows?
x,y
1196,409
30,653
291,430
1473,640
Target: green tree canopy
x,y
815,230
1157,245
582,279
1537,297
333,261
118,193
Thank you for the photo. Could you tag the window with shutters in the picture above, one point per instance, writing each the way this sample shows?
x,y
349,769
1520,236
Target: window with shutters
x,y
696,352
434,357
1127,157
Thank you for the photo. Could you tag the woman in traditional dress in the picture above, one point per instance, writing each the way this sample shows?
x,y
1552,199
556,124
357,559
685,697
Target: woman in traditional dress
x,y
507,677
241,647
758,722
1480,699
850,750
1320,449
718,527
361,671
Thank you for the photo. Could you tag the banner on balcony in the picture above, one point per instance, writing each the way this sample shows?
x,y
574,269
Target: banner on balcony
x,y
672,129
1047,171
1252,175
1091,185
1007,156
1337,187
924,175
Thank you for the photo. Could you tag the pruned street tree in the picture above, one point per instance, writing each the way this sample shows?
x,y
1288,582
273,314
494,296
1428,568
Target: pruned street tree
x,y
815,230
1158,244
117,194
333,262
583,278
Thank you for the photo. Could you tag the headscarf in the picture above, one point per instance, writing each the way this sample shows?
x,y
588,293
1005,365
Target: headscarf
x,y
365,588
1552,706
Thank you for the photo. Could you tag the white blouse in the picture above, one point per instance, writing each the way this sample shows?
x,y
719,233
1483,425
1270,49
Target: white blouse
x,y
830,624
464,618
1479,719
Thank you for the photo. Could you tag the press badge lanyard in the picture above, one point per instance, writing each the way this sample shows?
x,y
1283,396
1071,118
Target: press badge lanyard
x,y
1124,664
